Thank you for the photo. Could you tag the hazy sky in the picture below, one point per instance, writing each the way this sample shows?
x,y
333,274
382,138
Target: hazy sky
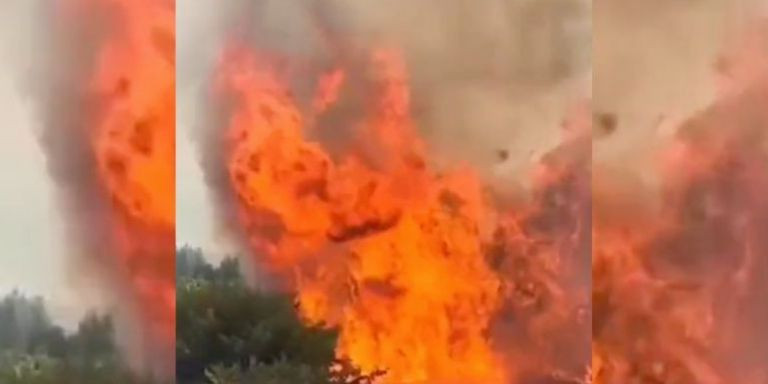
x,y
32,256
29,224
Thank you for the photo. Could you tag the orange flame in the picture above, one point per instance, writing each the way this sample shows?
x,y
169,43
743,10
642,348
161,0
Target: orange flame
x,y
414,266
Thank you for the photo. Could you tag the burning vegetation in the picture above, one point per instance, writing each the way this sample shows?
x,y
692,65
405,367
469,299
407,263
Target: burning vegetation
x,y
324,159
429,275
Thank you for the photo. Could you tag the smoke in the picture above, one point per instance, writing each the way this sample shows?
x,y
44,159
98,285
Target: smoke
x,y
490,76
486,76
26,28
59,67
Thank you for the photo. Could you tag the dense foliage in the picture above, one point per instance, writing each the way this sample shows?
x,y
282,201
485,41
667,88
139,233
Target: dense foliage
x,y
33,350
230,334
226,334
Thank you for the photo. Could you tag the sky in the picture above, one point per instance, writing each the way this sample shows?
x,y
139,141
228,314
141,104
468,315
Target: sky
x,y
32,251
29,224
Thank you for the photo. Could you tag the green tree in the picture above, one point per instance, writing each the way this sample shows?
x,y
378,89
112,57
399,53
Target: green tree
x,y
222,322
191,264
35,351
25,322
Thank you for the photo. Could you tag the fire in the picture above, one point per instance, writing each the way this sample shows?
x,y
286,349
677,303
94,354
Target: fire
x,y
132,137
426,276
681,298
